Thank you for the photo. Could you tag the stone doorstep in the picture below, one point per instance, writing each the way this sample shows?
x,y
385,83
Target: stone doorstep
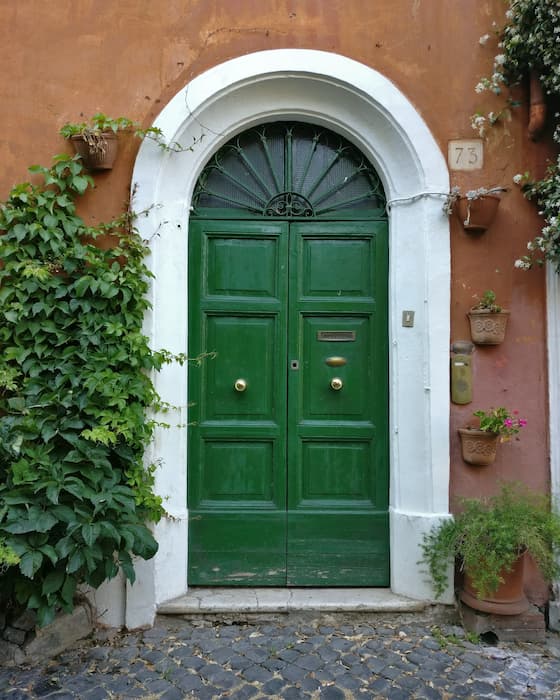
x,y
529,626
285,600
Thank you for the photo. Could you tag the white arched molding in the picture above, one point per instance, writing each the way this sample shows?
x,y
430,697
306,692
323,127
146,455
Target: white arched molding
x,y
362,105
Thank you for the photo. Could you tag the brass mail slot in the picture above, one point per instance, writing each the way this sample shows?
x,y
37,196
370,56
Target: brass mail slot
x,y
336,336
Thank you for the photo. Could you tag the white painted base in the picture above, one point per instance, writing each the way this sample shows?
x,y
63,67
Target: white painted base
x,y
109,602
408,576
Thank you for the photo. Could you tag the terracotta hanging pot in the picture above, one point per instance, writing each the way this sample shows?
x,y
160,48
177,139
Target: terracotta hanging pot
x,y
477,215
509,599
478,446
488,327
537,108
97,153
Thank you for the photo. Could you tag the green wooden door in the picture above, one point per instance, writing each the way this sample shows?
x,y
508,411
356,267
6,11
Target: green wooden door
x,y
288,447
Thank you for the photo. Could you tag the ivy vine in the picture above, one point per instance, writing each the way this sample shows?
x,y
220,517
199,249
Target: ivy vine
x,y
75,391
530,42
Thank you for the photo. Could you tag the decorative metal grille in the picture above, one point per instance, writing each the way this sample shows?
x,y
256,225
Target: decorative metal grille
x,y
289,170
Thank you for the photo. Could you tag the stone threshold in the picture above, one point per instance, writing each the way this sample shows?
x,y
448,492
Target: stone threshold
x,y
285,600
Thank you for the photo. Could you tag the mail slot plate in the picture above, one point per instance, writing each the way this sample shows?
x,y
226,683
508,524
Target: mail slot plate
x,y
336,336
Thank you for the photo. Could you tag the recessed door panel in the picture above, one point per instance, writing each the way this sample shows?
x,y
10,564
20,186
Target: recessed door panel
x,y
320,397
227,257
237,473
335,473
335,267
244,347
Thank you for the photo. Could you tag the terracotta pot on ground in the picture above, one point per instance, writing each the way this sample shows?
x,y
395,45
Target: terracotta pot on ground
x,y
97,157
488,327
509,599
476,215
478,446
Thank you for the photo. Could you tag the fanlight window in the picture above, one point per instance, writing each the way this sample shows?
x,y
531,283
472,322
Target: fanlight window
x,y
289,170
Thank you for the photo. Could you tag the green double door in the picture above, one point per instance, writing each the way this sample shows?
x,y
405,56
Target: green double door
x,y
288,442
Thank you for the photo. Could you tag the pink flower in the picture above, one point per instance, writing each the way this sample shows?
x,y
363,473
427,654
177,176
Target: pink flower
x,y
515,413
508,423
522,422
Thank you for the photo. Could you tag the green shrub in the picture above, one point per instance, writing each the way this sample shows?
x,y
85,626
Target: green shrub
x,y
75,388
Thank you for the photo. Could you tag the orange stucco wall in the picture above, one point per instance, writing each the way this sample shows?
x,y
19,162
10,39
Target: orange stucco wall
x,y
75,57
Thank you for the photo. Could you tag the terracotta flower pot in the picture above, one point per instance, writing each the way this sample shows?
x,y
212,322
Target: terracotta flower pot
x,y
488,327
477,215
509,599
97,157
478,446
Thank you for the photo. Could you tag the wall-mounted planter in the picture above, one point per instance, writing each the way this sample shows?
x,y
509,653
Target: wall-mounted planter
x,y
98,153
478,446
477,214
488,327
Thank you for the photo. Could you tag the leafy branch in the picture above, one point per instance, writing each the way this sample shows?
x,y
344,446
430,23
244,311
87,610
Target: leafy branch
x,y
528,44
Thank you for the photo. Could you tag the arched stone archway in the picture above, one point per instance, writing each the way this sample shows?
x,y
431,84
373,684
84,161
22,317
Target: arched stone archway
x,y
365,107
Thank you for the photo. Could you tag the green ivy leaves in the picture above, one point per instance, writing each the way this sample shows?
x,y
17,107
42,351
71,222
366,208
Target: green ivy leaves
x,y
74,391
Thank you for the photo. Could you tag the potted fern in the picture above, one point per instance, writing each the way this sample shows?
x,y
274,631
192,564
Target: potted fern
x,y
488,320
489,539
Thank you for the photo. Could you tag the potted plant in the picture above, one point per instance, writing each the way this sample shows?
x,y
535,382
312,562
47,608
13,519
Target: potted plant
x,y
476,209
478,445
95,140
488,539
488,320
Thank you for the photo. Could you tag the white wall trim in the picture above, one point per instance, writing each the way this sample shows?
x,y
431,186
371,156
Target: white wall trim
x,y
369,110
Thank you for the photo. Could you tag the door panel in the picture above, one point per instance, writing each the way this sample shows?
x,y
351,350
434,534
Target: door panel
x,y
288,479
337,437
237,456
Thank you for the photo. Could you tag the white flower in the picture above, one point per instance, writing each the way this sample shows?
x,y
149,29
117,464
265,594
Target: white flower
x,y
480,87
518,179
484,39
509,14
500,59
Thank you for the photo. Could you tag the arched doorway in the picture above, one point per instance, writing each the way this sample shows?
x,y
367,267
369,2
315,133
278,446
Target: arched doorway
x,y
289,423
365,107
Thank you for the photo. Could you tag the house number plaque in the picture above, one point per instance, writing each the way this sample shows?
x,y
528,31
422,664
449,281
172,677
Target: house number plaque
x,y
465,154
336,336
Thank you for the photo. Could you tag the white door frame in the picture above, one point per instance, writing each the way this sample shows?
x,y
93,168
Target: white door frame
x,y
365,107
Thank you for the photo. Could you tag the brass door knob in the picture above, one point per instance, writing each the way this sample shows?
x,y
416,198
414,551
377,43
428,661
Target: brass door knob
x,y
240,385
336,383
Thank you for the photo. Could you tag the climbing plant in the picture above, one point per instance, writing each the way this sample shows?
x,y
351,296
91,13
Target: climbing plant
x,y
530,42
75,393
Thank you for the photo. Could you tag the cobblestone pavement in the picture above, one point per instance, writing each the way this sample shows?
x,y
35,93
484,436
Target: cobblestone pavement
x,y
323,659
